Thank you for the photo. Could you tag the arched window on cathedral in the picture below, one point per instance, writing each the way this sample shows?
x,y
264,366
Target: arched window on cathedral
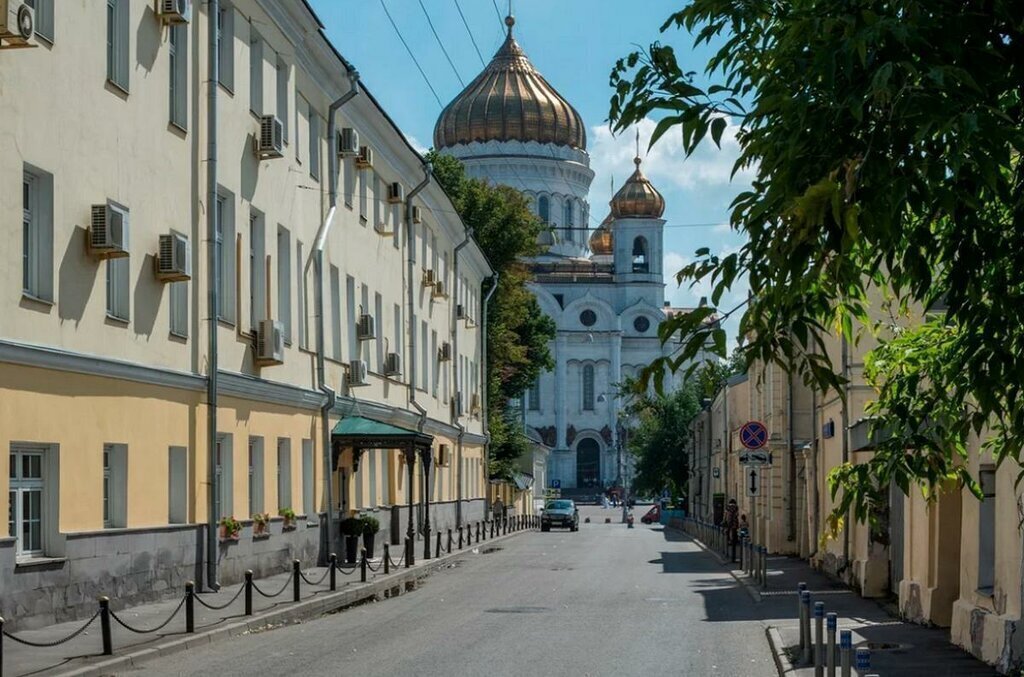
x,y
640,261
588,387
569,221
544,209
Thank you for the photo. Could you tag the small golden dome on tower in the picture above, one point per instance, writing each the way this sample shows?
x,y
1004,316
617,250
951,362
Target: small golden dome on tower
x,y
602,240
638,198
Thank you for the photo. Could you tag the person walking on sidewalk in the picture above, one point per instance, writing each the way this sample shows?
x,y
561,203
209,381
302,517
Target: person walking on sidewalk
x,y
731,524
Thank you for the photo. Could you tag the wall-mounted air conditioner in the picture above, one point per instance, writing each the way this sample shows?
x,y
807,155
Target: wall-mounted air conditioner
x,y
393,365
428,277
439,290
348,142
270,342
364,160
108,231
269,140
174,259
460,311
474,404
365,329
17,22
444,353
456,405
444,456
383,229
175,11
396,192
356,373
417,216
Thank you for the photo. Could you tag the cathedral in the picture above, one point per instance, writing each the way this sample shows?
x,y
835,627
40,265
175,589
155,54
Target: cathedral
x,y
603,287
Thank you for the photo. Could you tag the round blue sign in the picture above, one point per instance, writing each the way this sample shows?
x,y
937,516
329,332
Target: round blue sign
x,y
754,435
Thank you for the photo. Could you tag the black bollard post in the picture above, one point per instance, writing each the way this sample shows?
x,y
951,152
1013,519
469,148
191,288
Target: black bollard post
x,y
410,557
248,592
296,580
362,566
108,644
1,646
333,563
477,532
450,541
190,608
437,548
426,543
460,538
387,559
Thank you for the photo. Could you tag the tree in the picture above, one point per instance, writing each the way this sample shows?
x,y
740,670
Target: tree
x,y
661,440
518,332
886,140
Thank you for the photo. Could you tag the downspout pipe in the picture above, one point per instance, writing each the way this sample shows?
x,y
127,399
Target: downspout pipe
x,y
317,258
485,392
410,245
455,374
791,508
213,296
845,366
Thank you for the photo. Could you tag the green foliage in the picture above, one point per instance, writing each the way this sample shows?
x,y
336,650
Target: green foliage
x,y
371,524
661,440
885,141
351,526
287,513
518,333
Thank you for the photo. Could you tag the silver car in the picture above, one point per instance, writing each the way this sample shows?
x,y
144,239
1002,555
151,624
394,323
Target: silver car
x,y
560,512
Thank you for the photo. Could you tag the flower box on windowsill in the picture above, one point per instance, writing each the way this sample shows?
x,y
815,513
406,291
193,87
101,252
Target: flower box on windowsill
x,y
230,538
289,526
261,537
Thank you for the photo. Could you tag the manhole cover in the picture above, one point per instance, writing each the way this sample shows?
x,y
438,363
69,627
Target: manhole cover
x,y
518,610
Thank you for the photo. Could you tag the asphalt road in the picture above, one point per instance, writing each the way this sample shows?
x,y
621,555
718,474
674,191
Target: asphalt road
x,y
603,601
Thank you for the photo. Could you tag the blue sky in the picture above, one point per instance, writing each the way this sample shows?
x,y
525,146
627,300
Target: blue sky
x,y
574,44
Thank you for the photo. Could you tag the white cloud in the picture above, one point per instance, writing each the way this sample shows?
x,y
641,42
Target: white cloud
x,y
415,143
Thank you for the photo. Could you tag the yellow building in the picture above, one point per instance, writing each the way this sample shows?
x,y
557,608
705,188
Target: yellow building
x,y
161,358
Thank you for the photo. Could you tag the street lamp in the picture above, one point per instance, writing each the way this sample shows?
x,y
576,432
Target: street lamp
x,y
622,432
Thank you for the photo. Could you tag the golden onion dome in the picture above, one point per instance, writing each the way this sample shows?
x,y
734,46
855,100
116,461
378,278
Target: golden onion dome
x,y
510,101
638,198
602,240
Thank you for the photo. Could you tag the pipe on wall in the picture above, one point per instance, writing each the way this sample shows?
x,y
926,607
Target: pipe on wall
x,y
791,508
455,372
213,295
484,399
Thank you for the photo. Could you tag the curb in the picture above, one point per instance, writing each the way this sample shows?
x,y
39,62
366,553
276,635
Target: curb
x,y
782,662
385,587
737,574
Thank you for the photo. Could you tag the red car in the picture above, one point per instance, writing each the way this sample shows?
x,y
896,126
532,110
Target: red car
x,y
653,515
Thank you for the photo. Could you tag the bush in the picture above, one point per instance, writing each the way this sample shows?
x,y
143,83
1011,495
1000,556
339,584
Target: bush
x,y
370,524
287,513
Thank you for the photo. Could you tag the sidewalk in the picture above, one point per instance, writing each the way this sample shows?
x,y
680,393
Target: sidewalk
x,y
83,653
897,648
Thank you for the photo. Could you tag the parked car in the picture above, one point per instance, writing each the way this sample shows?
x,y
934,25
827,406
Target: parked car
x,y
653,515
560,512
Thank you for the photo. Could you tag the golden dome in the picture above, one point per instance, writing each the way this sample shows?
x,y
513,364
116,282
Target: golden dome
x,y
510,101
638,198
602,241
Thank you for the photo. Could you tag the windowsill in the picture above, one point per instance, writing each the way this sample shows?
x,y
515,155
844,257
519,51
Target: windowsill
x,y
174,127
227,89
28,296
988,592
310,525
117,89
225,323
47,40
256,115
38,562
362,220
118,320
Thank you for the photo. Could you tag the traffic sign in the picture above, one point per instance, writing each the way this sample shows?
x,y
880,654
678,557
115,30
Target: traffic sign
x,y
755,457
753,435
752,480
556,484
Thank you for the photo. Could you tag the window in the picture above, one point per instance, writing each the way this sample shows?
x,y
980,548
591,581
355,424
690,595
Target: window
x,y
25,500
314,144
987,531
282,95
226,47
425,351
223,474
44,18
640,262
179,309
284,281
117,43
363,198
568,220
225,245
257,270
255,73
372,453
336,313
37,234
284,473
544,209
117,289
178,49
534,396
255,475
300,295
350,318
115,485
641,324
396,327
308,493
588,318
378,314
588,387
177,485
437,364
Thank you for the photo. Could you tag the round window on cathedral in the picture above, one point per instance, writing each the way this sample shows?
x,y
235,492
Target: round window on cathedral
x,y
588,318
641,324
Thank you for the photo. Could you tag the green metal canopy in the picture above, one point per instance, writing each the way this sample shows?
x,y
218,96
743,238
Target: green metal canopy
x,y
359,433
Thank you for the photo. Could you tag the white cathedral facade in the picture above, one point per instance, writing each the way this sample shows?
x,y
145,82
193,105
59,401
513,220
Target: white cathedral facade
x,y
604,287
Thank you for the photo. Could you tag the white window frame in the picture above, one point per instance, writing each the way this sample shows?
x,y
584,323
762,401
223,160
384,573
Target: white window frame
x,y
224,241
255,72
226,47
308,481
282,95
115,486
224,474
43,18
284,281
284,473
300,296
335,275
19,487
119,289
179,309
37,234
257,269
177,42
118,43
256,475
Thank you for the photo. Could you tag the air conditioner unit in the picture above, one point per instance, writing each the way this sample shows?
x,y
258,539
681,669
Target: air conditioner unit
x,y
444,353
457,405
364,160
174,260
175,11
439,290
443,455
428,277
270,342
365,330
269,142
17,22
383,229
460,311
396,192
474,404
108,233
393,365
417,217
356,373
348,142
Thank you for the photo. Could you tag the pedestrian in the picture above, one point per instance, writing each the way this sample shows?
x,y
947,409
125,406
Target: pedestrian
x,y
731,524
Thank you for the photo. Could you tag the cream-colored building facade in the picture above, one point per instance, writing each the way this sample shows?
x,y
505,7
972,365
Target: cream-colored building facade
x,y
107,164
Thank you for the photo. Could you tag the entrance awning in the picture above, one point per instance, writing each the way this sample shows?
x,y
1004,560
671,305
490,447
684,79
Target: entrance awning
x,y
359,433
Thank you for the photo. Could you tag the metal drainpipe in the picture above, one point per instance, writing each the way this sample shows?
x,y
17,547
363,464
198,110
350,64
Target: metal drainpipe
x,y
485,392
455,375
844,359
317,258
213,500
791,512
813,544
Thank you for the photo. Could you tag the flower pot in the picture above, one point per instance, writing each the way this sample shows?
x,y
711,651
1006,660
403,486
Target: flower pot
x,y
226,535
368,538
351,549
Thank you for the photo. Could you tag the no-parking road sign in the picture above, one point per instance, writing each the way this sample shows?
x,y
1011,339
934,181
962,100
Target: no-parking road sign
x,y
753,435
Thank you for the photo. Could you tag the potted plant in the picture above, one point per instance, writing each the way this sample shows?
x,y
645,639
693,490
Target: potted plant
x,y
261,524
230,529
351,528
370,528
289,518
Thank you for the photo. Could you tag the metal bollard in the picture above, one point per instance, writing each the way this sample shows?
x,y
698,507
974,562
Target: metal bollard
x,y
332,562
805,626
863,658
387,559
460,538
426,544
450,541
800,588
362,566
830,644
248,592
845,646
190,609
437,548
1,646
819,646
410,556
764,568
477,532
108,644
296,580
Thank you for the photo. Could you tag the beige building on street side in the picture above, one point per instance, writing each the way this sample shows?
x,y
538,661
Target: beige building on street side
x,y
168,179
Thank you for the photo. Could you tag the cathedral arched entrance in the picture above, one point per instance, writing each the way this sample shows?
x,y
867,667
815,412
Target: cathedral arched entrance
x,y
588,464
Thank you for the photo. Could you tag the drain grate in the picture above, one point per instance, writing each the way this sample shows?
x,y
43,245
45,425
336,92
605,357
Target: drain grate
x,y
518,610
781,593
